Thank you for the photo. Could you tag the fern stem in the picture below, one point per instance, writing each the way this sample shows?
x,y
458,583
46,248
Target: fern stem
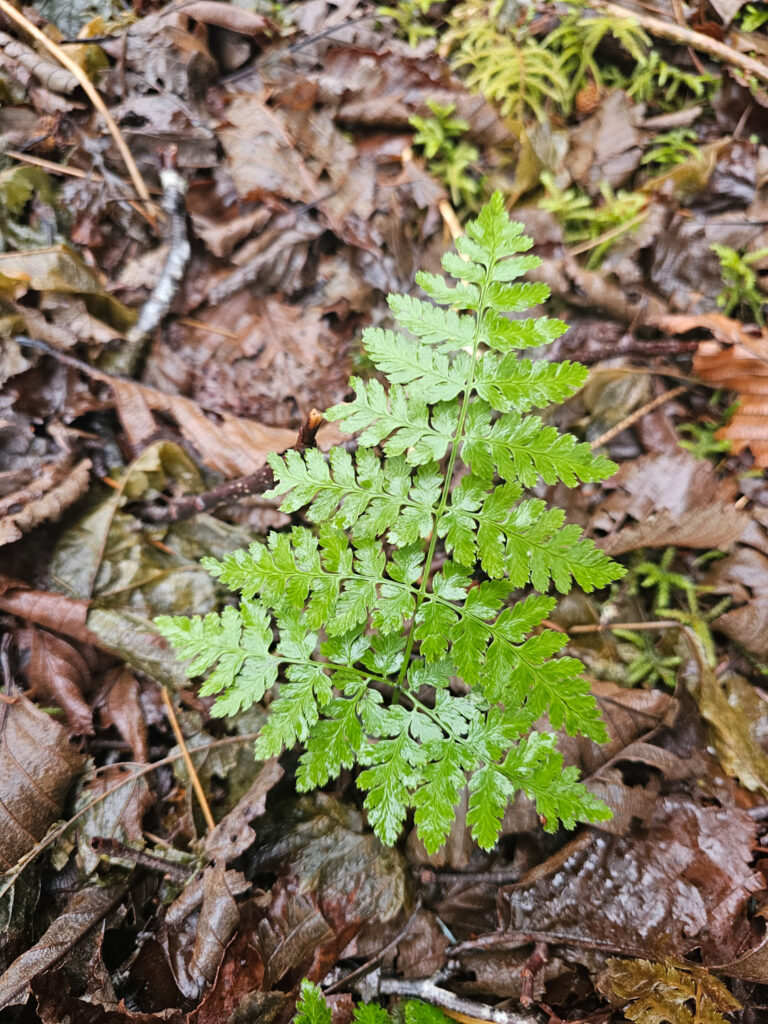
x,y
447,484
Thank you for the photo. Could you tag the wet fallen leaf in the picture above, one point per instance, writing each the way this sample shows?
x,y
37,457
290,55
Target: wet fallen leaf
x,y
119,705
58,674
32,800
682,883
84,910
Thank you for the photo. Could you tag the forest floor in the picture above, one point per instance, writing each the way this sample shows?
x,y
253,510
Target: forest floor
x,y
636,156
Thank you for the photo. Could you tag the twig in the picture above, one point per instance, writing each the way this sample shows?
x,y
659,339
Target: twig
x,y
601,627
429,992
201,797
115,850
367,967
687,37
88,88
637,415
233,490
501,876
535,962
179,251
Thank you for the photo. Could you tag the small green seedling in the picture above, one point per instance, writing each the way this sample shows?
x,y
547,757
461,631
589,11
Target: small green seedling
x,y
740,281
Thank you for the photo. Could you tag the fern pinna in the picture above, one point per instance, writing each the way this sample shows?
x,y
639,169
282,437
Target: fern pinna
x,y
392,628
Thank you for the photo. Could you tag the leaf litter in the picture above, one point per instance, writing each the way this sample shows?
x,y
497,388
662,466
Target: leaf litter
x,y
304,207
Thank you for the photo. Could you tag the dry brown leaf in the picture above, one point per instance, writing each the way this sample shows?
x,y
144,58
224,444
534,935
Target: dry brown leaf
x,y
32,799
676,499
232,446
44,499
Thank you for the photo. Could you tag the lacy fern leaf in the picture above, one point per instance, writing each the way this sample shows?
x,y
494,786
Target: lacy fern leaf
x,y
394,626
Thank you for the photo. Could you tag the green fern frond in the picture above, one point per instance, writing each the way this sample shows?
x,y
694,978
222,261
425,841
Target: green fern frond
x,y
369,617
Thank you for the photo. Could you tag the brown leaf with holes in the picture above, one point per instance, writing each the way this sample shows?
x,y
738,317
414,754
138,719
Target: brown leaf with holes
x,y
37,767
43,499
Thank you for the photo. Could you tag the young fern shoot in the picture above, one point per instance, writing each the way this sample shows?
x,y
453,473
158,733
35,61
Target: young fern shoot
x,y
406,585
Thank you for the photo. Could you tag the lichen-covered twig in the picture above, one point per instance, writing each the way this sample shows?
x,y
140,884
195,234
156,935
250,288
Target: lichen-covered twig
x,y
426,990
179,251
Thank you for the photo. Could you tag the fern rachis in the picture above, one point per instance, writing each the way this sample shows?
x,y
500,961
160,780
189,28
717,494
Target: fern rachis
x,y
406,582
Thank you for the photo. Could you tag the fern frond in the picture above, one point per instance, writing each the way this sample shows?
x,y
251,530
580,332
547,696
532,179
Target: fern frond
x,y
366,619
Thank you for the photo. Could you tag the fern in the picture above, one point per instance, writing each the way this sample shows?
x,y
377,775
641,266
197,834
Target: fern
x,y
408,575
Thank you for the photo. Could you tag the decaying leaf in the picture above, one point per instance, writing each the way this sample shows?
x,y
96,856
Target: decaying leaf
x,y
43,499
84,910
681,883
32,799
654,992
58,674
675,499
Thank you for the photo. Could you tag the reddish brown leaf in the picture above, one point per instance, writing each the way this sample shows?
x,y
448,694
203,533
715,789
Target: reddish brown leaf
x,y
62,614
37,767
120,705
58,674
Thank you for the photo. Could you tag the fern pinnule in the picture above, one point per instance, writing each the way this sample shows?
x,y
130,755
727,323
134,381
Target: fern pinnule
x,y
408,577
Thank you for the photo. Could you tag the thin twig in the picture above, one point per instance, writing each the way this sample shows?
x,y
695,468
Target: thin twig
x,y
88,88
201,797
500,876
687,37
601,627
114,849
179,252
638,414
426,990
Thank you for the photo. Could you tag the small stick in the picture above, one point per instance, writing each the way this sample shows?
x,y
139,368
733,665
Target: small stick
x,y
429,992
179,252
88,88
688,37
637,415
115,850
232,490
529,970
501,876
188,760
